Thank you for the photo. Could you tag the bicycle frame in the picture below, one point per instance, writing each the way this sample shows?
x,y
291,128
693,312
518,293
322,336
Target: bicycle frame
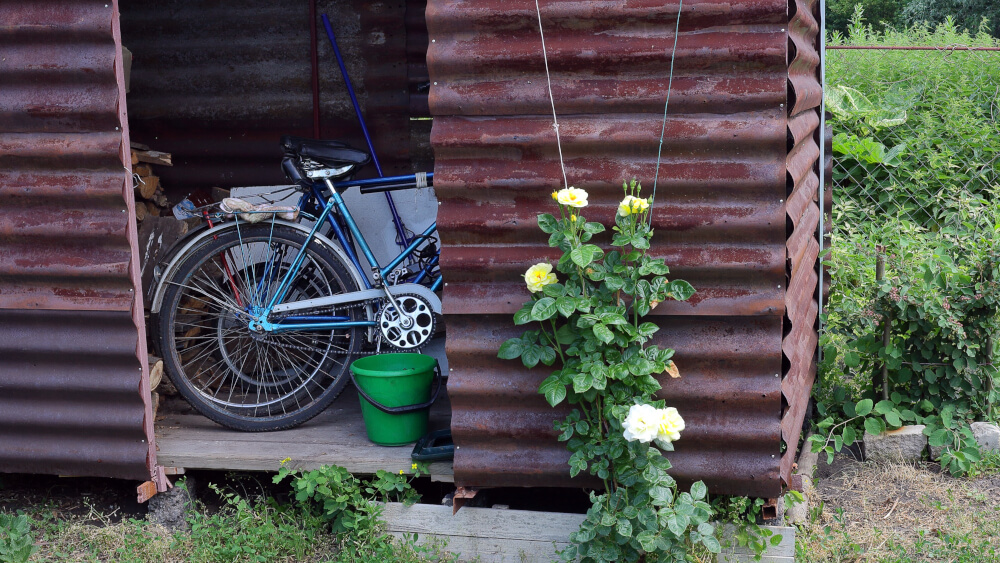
x,y
380,273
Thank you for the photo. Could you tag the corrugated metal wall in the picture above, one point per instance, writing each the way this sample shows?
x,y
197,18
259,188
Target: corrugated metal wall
x,y
805,94
217,83
720,216
73,391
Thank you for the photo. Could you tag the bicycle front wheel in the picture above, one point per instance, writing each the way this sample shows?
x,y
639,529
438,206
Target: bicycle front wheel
x,y
240,378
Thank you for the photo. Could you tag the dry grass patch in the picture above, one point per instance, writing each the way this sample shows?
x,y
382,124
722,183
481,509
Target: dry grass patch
x,y
899,512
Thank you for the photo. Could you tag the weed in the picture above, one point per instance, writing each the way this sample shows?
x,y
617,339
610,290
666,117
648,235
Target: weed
x,y
16,543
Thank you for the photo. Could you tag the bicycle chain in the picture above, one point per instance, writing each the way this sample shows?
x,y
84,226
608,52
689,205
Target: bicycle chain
x,y
335,309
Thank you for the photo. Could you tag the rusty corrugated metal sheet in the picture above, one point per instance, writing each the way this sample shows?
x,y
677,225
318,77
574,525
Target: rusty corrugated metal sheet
x,y
217,84
720,213
799,344
74,393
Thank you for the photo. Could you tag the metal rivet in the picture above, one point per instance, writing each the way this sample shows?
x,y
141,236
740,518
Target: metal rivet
x,y
782,29
435,83
781,201
123,211
777,375
781,105
779,286
434,40
446,285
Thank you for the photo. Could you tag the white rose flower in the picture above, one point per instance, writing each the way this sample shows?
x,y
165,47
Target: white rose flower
x,y
669,425
642,423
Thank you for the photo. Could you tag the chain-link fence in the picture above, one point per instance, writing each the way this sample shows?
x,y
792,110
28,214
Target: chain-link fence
x,y
916,209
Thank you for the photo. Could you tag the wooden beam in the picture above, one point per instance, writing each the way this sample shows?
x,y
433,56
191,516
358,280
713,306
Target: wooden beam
x,y
495,535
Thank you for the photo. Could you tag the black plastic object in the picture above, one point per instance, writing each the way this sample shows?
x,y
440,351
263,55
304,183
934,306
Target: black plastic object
x,y
434,446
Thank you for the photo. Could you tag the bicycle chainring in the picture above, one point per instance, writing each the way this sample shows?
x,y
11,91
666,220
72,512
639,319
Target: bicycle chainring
x,y
410,328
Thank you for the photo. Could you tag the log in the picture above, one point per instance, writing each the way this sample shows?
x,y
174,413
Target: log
x,y
159,199
143,170
155,371
147,186
152,157
138,146
152,209
140,211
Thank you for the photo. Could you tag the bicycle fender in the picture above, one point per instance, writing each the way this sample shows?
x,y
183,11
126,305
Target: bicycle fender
x,y
172,266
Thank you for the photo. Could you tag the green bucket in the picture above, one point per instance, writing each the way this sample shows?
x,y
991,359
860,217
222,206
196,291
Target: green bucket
x,y
395,393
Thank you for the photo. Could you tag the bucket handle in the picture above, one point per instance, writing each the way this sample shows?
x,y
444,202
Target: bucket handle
x,y
405,408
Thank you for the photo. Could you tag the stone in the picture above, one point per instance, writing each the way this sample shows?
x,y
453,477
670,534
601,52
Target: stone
x,y
988,436
903,444
169,509
798,513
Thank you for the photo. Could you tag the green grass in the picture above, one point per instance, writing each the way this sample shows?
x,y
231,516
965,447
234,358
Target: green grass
x,y
244,529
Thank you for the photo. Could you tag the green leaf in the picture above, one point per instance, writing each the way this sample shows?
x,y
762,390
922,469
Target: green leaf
x,y
547,223
852,359
593,228
873,426
531,356
544,309
512,348
565,334
554,290
863,407
892,419
582,255
624,528
711,543
603,333
699,490
939,438
553,390
884,407
849,435
523,316
681,290
647,540
566,306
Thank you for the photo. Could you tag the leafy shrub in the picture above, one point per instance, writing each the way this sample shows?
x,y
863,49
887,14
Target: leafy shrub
x,y
16,543
916,165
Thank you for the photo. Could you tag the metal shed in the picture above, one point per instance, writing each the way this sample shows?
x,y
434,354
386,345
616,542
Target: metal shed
x,y
736,215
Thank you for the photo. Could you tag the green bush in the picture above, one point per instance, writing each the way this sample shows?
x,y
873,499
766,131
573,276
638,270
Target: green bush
x,y
916,165
16,543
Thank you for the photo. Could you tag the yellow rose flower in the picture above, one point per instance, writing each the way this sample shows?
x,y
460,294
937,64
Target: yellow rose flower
x,y
555,195
539,276
625,207
639,205
572,197
572,217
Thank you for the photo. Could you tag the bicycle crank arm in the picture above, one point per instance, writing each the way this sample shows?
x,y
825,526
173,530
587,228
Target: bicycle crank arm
x,y
360,296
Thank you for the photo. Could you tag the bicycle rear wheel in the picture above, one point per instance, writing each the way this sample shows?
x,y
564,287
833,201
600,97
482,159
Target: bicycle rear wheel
x,y
240,378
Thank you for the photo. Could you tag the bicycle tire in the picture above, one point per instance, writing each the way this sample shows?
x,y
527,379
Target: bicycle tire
x,y
240,379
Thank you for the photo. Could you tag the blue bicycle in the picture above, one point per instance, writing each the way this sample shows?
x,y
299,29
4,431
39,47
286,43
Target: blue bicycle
x,y
259,317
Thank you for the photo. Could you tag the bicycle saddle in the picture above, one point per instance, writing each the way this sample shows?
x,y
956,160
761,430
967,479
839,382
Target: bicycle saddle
x,y
330,153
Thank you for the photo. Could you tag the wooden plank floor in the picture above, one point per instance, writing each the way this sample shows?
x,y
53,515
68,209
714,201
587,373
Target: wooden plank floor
x,y
337,436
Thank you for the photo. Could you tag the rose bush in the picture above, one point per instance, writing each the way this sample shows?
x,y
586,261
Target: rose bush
x,y
588,325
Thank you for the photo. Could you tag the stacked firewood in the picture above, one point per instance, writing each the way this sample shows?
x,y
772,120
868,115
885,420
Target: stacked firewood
x,y
149,197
